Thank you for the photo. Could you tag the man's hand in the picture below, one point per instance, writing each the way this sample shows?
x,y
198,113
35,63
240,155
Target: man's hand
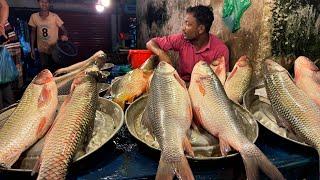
x,y
163,56
64,38
3,31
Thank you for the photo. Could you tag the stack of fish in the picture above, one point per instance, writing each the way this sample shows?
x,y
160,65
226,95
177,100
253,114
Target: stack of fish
x,y
213,110
296,111
168,116
34,115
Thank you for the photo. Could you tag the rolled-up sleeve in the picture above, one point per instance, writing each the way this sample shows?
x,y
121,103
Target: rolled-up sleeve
x,y
171,42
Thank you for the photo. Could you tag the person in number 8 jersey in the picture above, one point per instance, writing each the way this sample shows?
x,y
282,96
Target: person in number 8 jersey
x,y
45,26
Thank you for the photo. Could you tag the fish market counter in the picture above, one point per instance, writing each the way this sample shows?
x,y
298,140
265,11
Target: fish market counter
x,y
126,158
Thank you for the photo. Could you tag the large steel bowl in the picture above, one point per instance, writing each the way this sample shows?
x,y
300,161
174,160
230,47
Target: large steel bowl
x,y
209,152
108,121
263,113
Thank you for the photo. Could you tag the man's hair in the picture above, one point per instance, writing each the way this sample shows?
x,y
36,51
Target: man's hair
x,y
203,14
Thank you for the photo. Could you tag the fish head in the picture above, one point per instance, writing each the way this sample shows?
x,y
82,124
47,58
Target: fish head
x,y
303,63
45,76
243,62
202,69
150,63
101,59
272,67
165,68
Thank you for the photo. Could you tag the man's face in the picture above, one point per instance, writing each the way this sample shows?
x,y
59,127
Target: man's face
x,y
44,5
190,27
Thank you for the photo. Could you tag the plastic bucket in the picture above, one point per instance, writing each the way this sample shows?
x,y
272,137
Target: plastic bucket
x,y
64,52
138,57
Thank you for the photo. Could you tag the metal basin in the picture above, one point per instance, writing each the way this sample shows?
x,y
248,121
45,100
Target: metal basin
x,y
204,145
263,113
115,86
103,88
108,121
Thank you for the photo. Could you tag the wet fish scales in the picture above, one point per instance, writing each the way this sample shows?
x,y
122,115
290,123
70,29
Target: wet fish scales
x,y
72,123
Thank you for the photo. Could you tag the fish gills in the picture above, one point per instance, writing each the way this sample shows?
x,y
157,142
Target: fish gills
x,y
168,116
213,110
30,120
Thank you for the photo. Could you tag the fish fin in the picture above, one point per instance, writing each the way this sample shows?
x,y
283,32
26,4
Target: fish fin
x,y
120,102
187,147
149,82
36,167
197,116
131,99
167,170
218,69
146,122
254,159
42,127
283,123
181,82
9,159
224,147
202,90
233,72
44,97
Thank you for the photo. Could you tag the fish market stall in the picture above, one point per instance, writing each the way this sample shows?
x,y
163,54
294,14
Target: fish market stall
x,y
136,89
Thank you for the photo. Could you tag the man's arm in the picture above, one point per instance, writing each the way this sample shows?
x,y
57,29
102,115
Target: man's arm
x,y
64,36
154,47
4,14
33,39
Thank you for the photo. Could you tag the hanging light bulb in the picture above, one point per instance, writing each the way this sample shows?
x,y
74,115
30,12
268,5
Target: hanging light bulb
x,y
105,3
99,8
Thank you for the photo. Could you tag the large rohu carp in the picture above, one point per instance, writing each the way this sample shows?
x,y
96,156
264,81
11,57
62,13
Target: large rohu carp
x,y
168,116
213,110
72,124
30,120
294,109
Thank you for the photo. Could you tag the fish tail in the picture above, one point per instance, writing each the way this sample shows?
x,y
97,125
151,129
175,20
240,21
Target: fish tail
x,y
167,170
254,159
